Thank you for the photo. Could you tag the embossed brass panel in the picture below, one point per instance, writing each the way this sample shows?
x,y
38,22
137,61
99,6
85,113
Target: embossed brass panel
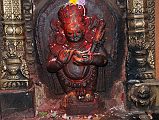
x,y
140,44
15,74
141,53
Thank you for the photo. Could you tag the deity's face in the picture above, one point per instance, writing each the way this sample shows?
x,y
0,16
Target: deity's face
x,y
74,32
72,18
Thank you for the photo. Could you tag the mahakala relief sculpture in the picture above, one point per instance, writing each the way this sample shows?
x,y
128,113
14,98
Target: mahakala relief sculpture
x,y
73,55
77,53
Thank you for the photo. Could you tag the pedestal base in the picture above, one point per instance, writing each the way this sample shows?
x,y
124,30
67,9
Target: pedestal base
x,y
82,108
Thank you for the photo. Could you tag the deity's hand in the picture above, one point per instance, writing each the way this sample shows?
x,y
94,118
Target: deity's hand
x,y
65,55
81,58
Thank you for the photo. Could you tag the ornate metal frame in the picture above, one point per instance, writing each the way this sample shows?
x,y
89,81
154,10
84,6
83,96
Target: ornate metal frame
x,y
141,54
141,41
17,48
16,56
15,72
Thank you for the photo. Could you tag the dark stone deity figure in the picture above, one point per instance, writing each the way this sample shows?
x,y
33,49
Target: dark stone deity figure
x,y
77,51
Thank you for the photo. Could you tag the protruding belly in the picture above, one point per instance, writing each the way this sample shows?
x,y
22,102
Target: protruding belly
x,y
75,72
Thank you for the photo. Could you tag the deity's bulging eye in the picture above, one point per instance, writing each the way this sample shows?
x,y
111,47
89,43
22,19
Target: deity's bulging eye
x,y
69,33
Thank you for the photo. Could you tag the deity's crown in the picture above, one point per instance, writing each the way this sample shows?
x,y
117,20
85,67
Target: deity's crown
x,y
71,13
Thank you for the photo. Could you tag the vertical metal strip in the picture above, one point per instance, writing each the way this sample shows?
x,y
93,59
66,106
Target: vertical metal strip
x,y
151,30
30,48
